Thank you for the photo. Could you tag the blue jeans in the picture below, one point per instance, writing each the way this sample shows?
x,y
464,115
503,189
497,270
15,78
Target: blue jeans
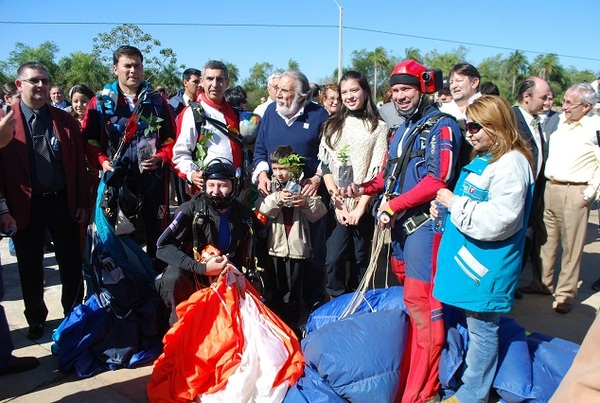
x,y
482,357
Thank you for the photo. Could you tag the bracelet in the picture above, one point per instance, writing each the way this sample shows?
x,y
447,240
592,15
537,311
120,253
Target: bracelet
x,y
319,176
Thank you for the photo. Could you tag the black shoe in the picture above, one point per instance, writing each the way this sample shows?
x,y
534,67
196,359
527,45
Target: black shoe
x,y
563,307
35,332
20,364
518,294
596,285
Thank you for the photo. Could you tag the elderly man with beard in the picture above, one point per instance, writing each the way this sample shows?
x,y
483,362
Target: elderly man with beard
x,y
295,121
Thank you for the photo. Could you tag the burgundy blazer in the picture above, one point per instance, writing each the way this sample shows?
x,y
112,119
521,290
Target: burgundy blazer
x,y
15,167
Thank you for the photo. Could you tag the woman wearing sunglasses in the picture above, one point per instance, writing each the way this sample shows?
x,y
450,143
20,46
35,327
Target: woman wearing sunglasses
x,y
480,254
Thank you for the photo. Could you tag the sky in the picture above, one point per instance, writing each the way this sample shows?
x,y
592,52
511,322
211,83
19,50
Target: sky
x,y
245,32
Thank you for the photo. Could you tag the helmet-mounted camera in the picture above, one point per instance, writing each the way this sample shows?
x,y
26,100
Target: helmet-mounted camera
x,y
414,73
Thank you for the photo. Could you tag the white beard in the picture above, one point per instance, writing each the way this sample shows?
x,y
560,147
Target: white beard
x,y
292,109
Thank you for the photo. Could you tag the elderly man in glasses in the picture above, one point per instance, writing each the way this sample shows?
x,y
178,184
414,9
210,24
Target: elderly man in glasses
x,y
45,183
573,177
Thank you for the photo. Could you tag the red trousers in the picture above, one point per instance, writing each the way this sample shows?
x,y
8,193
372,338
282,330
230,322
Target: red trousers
x,y
426,336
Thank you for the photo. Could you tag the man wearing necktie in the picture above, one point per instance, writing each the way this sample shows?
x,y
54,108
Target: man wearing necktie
x,y
532,94
43,177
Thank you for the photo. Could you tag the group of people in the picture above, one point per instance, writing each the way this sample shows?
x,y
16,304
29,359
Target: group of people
x,y
325,175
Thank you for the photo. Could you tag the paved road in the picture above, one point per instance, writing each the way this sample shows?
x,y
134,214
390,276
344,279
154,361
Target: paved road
x,y
46,384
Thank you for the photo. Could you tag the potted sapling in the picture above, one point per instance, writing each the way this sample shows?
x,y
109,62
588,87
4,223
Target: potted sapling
x,y
146,146
345,172
294,164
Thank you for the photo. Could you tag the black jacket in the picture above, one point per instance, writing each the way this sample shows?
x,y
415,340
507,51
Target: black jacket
x,y
175,245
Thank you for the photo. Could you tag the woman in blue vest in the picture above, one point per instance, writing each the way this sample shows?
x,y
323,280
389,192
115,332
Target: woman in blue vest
x,y
479,259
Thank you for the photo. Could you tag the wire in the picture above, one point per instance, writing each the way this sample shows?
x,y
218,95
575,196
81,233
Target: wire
x,y
312,26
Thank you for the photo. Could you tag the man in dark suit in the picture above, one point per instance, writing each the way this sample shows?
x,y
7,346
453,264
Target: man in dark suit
x,y
9,364
44,180
533,93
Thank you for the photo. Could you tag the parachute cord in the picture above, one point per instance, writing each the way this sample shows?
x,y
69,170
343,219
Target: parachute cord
x,y
379,237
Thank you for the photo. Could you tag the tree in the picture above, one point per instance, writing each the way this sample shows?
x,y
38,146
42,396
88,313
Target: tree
x,y
293,65
364,62
45,53
548,68
380,59
413,53
575,76
234,73
129,34
84,68
445,61
168,75
492,69
516,66
256,84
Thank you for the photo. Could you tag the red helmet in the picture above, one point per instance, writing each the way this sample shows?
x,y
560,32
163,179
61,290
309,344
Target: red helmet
x,y
414,73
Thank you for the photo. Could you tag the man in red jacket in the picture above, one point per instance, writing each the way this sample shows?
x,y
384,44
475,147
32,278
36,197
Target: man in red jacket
x,y
43,177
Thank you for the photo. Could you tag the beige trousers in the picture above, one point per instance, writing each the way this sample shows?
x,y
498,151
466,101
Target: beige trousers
x,y
565,220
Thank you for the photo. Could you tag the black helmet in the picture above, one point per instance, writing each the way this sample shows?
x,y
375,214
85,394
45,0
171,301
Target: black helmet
x,y
220,168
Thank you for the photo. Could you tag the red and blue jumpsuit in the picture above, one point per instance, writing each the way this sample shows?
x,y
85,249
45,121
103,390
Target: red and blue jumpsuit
x,y
429,168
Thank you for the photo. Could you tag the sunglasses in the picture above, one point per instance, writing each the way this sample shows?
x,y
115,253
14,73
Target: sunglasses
x,y
473,127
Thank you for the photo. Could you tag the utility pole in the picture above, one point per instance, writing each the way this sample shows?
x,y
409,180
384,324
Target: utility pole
x,y
340,41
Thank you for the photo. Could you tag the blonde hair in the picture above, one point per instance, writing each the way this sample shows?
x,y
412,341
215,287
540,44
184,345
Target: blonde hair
x,y
498,119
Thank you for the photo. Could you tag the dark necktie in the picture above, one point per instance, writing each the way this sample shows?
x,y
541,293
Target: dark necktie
x,y
43,164
543,144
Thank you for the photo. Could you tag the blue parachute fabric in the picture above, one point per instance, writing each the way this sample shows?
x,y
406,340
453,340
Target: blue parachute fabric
x,y
122,323
379,299
122,248
344,353
311,388
75,336
530,367
343,363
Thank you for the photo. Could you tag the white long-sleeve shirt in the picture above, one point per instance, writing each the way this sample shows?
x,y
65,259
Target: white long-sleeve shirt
x,y
573,155
218,146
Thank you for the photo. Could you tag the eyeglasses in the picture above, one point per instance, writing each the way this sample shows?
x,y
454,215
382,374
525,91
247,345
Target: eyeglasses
x,y
36,81
570,105
473,127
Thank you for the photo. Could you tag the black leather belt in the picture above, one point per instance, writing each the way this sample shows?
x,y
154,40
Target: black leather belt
x,y
49,195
